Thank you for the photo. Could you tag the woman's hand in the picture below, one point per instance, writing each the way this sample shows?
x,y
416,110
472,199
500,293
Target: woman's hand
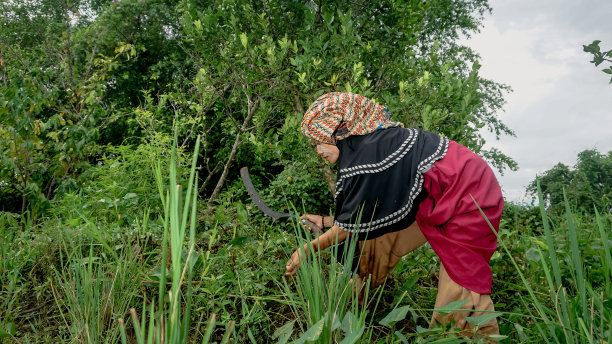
x,y
335,235
294,262
316,219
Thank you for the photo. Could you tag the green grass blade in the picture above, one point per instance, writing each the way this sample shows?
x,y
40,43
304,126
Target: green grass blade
x,y
606,247
137,328
554,261
585,330
164,259
122,329
151,334
536,301
228,332
576,258
209,329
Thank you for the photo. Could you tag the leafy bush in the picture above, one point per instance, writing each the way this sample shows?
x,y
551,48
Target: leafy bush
x,y
118,190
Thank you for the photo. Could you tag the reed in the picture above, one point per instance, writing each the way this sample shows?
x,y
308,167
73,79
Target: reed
x,y
91,289
325,298
578,313
171,321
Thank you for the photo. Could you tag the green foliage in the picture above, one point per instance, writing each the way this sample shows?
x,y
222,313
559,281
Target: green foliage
x,y
76,76
92,291
599,56
588,184
563,278
172,324
521,218
326,294
90,91
66,71
117,190
272,59
237,291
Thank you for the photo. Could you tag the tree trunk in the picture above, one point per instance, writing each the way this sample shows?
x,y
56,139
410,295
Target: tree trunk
x,y
252,106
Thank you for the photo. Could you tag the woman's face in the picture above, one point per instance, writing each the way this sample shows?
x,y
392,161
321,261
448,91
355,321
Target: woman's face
x,y
328,152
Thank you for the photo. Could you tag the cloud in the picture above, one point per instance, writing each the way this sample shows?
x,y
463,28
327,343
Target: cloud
x,y
561,104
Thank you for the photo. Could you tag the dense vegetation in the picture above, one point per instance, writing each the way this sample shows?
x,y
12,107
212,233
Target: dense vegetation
x,y
124,122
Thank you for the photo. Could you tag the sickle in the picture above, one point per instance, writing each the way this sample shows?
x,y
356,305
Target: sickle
x,y
246,179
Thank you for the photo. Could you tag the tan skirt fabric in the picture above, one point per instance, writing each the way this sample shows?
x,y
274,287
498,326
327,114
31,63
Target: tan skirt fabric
x,y
379,256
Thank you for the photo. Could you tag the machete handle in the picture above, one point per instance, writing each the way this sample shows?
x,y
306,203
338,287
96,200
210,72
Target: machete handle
x,y
316,230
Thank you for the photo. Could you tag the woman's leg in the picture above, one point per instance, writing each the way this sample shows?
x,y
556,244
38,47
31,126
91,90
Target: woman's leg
x,y
449,291
379,256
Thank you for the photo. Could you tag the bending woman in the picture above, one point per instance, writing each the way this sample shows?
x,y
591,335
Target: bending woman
x,y
413,186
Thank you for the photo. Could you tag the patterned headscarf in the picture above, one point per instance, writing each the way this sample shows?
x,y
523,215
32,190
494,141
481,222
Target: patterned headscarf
x,y
338,115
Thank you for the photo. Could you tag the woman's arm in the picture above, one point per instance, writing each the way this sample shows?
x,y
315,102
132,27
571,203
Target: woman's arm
x,y
319,220
332,236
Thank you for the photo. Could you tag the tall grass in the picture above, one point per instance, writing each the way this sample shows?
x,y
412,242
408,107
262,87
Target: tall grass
x,y
326,295
93,291
10,270
171,321
579,313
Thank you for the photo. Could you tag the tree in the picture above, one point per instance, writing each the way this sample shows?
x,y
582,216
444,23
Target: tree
x,y
69,73
588,184
288,53
79,75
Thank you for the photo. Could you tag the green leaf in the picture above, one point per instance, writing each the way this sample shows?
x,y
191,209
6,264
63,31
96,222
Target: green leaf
x,y
497,337
608,71
4,334
353,336
348,322
312,333
130,195
520,331
422,330
329,17
243,39
336,322
532,255
592,48
284,332
482,319
401,337
239,241
250,335
452,307
394,316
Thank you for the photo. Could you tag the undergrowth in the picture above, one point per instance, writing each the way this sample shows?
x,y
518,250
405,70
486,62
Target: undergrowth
x,y
107,275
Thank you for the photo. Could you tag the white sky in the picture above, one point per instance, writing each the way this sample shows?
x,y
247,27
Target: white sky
x,y
561,104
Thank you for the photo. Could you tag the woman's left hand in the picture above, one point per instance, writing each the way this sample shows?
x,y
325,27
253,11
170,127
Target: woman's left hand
x,y
318,220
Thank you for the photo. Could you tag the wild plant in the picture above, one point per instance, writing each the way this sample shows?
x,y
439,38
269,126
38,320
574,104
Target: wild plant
x,y
580,312
92,288
326,295
171,321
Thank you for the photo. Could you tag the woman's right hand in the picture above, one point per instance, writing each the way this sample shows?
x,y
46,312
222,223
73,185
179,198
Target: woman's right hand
x,y
316,219
294,263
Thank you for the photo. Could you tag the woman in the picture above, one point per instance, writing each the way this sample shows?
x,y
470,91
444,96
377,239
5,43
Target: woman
x,y
410,186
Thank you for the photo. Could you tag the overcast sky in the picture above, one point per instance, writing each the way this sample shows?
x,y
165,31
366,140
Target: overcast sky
x,y
561,104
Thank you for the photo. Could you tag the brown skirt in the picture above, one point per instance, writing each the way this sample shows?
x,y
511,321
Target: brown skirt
x,y
380,255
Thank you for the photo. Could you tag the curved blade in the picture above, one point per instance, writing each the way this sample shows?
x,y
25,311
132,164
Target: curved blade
x,y
246,179
248,184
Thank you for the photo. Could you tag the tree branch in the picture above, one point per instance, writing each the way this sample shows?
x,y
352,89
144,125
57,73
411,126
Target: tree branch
x,y
252,106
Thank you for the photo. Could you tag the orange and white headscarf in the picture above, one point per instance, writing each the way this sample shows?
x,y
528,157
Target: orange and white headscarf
x,y
338,115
